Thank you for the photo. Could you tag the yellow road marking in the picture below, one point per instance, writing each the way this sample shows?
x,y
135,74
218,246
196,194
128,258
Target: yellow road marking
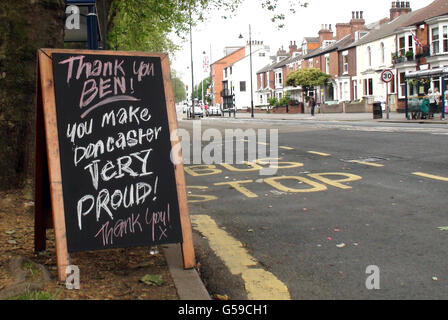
x,y
274,182
348,177
430,176
237,186
286,148
320,153
202,197
372,164
259,283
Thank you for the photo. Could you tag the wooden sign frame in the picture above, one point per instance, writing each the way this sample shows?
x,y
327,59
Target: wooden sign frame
x,y
49,205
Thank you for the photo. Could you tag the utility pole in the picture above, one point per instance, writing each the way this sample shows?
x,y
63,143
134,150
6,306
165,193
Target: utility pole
x,y
251,88
192,73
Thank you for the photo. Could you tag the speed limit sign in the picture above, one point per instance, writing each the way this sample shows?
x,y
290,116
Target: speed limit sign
x,y
387,76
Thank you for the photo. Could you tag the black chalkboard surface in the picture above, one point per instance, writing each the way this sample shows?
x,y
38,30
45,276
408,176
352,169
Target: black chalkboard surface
x,y
118,181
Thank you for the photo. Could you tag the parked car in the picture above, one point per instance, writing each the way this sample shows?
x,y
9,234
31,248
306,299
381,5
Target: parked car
x,y
198,112
214,111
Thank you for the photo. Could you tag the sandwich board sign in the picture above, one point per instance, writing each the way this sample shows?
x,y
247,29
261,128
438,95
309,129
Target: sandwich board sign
x,y
105,173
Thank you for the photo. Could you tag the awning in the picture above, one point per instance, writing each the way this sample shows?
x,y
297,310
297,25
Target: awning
x,y
430,73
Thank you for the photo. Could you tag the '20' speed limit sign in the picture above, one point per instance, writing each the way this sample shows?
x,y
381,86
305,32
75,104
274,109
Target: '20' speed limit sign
x,y
387,76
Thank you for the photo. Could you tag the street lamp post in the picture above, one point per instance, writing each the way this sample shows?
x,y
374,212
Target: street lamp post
x,y
192,76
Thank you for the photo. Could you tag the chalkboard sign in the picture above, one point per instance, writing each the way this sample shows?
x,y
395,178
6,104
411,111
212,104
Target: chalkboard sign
x,y
109,119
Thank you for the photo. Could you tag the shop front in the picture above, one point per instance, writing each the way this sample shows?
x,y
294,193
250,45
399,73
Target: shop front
x,y
426,94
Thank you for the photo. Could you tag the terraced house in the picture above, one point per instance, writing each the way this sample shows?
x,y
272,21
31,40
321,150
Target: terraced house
x,y
355,54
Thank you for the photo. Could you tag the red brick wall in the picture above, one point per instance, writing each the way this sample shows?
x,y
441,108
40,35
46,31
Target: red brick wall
x,y
217,72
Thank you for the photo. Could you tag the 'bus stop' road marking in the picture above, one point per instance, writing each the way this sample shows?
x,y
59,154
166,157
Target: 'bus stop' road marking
x,y
259,283
372,164
320,153
430,176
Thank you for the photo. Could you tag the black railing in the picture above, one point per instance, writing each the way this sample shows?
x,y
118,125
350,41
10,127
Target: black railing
x,y
225,93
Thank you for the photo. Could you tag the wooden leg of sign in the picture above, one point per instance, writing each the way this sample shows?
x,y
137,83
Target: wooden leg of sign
x,y
187,244
39,214
54,165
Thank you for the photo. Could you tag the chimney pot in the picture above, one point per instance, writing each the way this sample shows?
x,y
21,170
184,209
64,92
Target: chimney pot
x,y
361,14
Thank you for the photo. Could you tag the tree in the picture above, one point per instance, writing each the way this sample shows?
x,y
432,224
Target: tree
x,y
205,83
25,26
307,78
145,25
180,94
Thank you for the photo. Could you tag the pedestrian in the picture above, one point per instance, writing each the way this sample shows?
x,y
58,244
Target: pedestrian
x,y
313,105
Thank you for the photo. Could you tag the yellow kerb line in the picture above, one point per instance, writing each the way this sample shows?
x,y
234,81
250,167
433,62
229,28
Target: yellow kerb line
x,y
320,153
372,164
260,284
430,176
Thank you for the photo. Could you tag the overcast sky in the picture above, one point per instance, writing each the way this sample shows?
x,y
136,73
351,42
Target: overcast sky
x,y
218,33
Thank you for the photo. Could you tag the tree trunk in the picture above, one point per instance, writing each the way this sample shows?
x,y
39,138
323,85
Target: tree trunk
x,y
25,26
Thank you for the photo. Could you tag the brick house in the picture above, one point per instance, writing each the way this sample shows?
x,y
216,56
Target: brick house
x,y
428,26
217,72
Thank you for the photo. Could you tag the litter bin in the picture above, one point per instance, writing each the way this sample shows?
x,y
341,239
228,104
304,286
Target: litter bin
x,y
377,110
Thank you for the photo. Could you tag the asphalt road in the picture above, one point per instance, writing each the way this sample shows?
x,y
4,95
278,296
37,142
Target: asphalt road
x,y
347,195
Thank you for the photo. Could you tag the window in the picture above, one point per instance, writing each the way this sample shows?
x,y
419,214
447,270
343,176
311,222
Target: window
x,y
261,99
355,90
340,90
310,63
402,46
242,86
402,84
327,65
410,42
435,40
345,63
279,78
445,39
230,70
382,53
225,73
261,54
369,56
368,87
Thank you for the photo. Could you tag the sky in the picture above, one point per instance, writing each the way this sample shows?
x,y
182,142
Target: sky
x,y
216,33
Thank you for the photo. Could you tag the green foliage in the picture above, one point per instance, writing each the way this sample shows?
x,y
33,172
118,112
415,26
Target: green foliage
x,y
180,94
198,89
34,295
272,101
285,100
307,78
145,25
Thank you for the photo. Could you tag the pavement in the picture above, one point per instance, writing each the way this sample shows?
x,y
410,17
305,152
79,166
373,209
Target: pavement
x,y
188,284
394,117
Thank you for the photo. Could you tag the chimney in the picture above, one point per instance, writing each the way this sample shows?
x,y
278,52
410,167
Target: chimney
x,y
325,34
399,8
292,48
358,23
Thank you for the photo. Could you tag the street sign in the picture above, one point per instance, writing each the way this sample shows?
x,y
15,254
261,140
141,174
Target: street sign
x,y
387,76
142,201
